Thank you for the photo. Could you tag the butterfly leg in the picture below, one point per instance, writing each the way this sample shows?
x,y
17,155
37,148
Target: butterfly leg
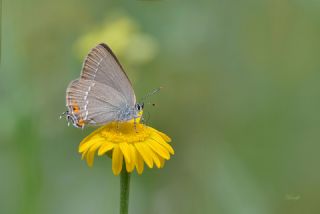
x,y
142,119
145,120
135,124
117,125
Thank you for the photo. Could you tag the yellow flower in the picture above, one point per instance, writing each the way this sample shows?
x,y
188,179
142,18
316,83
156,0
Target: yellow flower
x,y
123,141
125,36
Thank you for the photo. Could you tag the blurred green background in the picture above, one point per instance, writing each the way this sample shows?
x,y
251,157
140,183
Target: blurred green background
x,y
241,102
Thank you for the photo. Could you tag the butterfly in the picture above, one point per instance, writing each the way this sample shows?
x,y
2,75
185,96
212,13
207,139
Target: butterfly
x,y
103,93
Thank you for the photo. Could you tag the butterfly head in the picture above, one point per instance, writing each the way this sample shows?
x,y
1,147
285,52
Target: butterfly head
x,y
139,107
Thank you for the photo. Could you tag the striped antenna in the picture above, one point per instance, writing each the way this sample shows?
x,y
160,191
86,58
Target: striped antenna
x,y
154,91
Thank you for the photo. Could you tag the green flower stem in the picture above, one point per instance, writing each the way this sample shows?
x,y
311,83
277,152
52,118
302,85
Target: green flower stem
x,y
124,191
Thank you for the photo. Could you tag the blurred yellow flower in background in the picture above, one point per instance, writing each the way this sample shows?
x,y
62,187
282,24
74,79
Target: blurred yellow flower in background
x,y
123,33
136,144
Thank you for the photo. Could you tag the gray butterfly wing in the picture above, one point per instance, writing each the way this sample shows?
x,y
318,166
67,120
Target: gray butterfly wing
x,y
92,102
101,65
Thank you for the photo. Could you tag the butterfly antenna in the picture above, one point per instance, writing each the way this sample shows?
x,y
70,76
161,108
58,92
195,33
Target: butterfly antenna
x,y
154,91
146,120
63,115
149,103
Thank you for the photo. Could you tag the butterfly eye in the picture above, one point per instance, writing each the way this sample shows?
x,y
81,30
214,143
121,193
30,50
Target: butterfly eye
x,y
138,107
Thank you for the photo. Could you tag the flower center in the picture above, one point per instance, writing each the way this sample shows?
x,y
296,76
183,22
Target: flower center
x,y
120,132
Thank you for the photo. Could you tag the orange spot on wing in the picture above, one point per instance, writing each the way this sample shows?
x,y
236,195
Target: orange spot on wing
x,y
76,112
75,107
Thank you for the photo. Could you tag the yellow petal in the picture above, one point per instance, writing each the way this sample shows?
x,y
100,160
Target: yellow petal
x,y
90,158
158,149
83,147
107,146
90,153
95,146
125,150
154,156
132,153
145,155
139,163
161,162
83,155
95,133
163,135
117,158
160,140
88,144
